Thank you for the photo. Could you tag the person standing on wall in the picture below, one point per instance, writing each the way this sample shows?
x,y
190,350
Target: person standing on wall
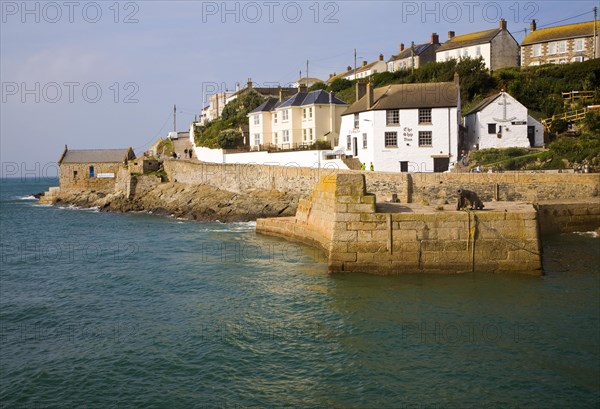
x,y
372,167
363,166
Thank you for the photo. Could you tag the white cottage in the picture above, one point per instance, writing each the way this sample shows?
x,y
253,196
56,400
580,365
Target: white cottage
x,y
500,121
404,127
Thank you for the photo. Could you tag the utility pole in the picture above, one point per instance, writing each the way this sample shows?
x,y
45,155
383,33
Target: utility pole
x,y
355,63
595,33
174,118
307,73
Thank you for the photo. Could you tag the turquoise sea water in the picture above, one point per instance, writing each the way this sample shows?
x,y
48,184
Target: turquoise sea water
x,y
102,310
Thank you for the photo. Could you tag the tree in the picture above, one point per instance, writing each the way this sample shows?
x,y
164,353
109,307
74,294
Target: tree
x,y
317,86
340,84
229,138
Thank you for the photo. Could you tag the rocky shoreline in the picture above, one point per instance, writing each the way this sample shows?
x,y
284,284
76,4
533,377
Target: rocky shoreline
x,y
191,202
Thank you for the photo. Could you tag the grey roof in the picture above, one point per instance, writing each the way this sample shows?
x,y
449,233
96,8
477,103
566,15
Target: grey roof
x,y
266,106
464,40
310,98
406,53
409,96
482,104
97,155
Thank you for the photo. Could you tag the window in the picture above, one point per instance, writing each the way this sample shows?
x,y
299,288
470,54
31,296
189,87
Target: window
x,y
562,46
257,139
275,118
425,138
91,171
491,128
391,67
466,52
286,136
310,134
578,59
364,141
310,112
392,117
256,120
74,173
348,142
552,48
537,50
391,139
447,55
579,44
284,115
356,120
304,134
304,113
478,50
425,116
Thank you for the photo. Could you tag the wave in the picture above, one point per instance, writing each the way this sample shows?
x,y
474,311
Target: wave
x,y
230,227
593,234
27,197
94,209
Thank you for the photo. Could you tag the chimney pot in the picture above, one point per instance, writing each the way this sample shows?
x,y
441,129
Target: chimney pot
x,y
364,63
533,26
435,39
380,57
401,46
502,24
450,35
348,68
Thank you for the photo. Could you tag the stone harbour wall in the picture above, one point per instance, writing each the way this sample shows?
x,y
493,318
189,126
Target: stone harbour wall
x,y
392,241
410,187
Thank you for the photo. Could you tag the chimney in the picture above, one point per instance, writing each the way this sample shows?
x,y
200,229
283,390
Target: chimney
x,y
364,63
361,89
280,94
348,68
456,78
435,39
237,86
249,83
450,35
369,95
401,47
380,57
302,87
533,26
502,24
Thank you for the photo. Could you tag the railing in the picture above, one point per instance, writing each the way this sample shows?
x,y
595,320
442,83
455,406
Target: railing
x,y
286,147
571,116
575,95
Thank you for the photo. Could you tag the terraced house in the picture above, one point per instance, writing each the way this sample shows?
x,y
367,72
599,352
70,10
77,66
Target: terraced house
x,y
497,47
296,122
414,56
560,45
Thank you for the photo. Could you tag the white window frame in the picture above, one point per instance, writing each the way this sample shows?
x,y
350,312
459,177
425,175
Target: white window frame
x,y
275,118
349,142
536,50
284,115
562,47
422,135
579,44
356,121
392,117
424,114
256,119
390,136
365,141
286,136
257,139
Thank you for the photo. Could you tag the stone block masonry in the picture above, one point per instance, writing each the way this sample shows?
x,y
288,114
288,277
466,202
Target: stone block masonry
x,y
357,235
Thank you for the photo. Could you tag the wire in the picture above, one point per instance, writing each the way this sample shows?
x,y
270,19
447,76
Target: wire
x,y
565,19
158,133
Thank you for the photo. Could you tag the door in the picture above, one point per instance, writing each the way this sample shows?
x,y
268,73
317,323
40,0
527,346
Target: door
x,y
404,166
355,147
531,135
441,164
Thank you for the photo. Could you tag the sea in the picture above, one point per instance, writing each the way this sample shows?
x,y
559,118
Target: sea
x,y
134,310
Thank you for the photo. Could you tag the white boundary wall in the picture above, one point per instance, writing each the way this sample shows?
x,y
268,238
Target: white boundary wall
x,y
306,159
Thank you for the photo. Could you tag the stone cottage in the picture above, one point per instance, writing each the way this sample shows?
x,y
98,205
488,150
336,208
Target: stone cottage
x,y
93,169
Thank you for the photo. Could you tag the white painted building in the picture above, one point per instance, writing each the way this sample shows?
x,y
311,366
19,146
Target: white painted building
x,y
405,127
497,47
298,121
366,69
500,121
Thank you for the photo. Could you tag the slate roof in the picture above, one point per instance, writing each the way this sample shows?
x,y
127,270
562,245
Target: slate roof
x,y
310,98
419,49
96,155
409,96
543,35
465,40
482,104
266,106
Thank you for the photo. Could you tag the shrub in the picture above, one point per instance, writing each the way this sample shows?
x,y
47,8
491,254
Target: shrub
x,y
317,86
229,138
340,84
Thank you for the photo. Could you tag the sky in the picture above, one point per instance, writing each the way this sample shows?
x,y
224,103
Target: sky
x,y
106,74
